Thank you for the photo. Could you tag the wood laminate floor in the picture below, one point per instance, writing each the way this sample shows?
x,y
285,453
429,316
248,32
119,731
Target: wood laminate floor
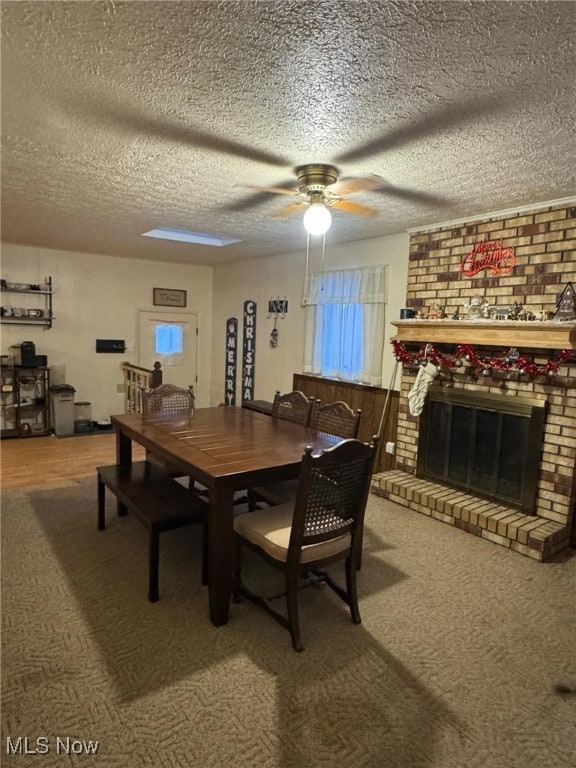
x,y
33,461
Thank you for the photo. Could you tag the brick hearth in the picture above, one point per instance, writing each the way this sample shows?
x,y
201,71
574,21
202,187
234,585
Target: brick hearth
x,y
536,537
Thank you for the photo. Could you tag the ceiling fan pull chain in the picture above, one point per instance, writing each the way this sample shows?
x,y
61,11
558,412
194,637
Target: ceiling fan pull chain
x,y
307,253
323,258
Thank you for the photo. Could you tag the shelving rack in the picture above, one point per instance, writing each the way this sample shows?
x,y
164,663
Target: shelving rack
x,y
45,291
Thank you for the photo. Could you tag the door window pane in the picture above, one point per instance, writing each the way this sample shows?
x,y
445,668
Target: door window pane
x,y
169,339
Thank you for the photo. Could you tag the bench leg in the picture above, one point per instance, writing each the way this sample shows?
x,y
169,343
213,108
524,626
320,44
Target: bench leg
x,y
153,559
101,505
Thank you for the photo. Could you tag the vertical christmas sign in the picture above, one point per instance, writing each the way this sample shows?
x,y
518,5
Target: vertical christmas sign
x,y
248,350
231,360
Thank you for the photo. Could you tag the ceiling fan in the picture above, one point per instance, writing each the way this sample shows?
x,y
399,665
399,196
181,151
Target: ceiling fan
x,y
318,185
319,190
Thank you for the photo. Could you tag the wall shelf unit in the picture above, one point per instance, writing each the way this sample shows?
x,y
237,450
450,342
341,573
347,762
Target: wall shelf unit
x,y
24,405
27,315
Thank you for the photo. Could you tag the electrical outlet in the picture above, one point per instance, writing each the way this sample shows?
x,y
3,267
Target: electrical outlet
x,y
390,447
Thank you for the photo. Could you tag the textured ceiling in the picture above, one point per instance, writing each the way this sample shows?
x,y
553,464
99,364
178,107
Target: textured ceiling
x,y
118,117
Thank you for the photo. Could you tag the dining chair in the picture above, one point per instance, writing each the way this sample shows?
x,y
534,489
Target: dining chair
x,y
335,418
321,526
168,401
292,406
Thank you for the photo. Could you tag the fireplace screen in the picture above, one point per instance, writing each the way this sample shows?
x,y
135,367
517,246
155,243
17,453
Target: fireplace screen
x,y
488,445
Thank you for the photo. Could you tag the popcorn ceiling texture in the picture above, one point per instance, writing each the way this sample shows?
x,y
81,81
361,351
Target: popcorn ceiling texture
x,y
118,117
545,244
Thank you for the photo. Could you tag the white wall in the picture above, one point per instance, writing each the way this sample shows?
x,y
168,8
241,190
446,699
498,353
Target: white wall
x,y
99,297
283,277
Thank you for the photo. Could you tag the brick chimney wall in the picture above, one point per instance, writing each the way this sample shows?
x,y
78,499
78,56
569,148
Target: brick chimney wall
x,y
545,243
545,246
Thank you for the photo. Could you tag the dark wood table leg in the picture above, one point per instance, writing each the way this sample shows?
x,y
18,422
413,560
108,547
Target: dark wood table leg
x,y
220,553
123,456
123,448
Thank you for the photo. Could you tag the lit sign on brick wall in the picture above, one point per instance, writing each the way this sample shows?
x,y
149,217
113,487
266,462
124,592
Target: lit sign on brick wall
x,y
489,254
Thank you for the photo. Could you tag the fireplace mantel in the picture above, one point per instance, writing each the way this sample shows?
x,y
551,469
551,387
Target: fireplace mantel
x,y
503,333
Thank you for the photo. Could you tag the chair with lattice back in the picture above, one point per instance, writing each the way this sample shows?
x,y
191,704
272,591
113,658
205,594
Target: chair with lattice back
x,y
168,400
334,418
321,526
293,406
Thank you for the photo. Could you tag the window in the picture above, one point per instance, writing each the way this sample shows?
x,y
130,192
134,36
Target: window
x,y
345,324
341,340
169,339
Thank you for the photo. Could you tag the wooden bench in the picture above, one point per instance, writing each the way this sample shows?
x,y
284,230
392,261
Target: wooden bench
x,y
158,501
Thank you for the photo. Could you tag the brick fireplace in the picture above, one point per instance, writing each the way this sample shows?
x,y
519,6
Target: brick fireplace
x,y
544,242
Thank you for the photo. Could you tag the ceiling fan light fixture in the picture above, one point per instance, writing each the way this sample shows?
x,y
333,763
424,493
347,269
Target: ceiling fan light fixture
x,y
317,219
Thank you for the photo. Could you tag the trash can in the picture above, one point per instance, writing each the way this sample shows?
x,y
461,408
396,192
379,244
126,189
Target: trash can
x,y
62,408
83,417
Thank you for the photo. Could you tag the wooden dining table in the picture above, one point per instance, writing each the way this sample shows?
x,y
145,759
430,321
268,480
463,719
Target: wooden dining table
x,y
226,449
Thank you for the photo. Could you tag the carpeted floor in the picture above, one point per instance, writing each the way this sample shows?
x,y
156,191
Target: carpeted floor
x,y
454,665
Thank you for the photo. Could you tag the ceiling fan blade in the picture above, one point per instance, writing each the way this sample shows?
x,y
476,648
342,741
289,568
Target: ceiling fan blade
x,y
410,194
358,184
278,190
442,119
251,201
123,117
349,206
288,210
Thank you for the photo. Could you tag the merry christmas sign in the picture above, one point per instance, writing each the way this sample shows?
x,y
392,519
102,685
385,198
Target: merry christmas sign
x,y
491,255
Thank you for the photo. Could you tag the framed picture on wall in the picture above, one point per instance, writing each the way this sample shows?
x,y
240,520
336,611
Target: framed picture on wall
x,y
168,297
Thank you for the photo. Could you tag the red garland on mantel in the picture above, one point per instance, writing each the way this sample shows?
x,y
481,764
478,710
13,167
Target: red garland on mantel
x,y
513,361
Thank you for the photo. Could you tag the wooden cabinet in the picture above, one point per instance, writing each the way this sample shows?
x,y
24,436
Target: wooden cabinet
x,y
26,304
24,405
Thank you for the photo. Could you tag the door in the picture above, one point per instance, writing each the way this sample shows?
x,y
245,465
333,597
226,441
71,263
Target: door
x,y
170,338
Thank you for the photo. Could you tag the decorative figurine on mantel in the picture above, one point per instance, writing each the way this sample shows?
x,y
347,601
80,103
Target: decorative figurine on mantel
x,y
436,312
478,308
566,304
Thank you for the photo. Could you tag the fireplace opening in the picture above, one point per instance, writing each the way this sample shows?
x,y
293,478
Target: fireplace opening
x,y
484,444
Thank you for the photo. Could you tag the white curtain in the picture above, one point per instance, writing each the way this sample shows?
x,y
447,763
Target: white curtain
x,y
366,286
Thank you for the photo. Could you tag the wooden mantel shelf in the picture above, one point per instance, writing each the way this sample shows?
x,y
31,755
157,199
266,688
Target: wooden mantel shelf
x,y
503,333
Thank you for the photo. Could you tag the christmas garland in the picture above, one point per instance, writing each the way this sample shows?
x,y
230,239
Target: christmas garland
x,y
465,353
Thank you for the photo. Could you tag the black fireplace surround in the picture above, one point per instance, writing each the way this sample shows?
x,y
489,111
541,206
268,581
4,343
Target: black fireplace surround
x,y
485,444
